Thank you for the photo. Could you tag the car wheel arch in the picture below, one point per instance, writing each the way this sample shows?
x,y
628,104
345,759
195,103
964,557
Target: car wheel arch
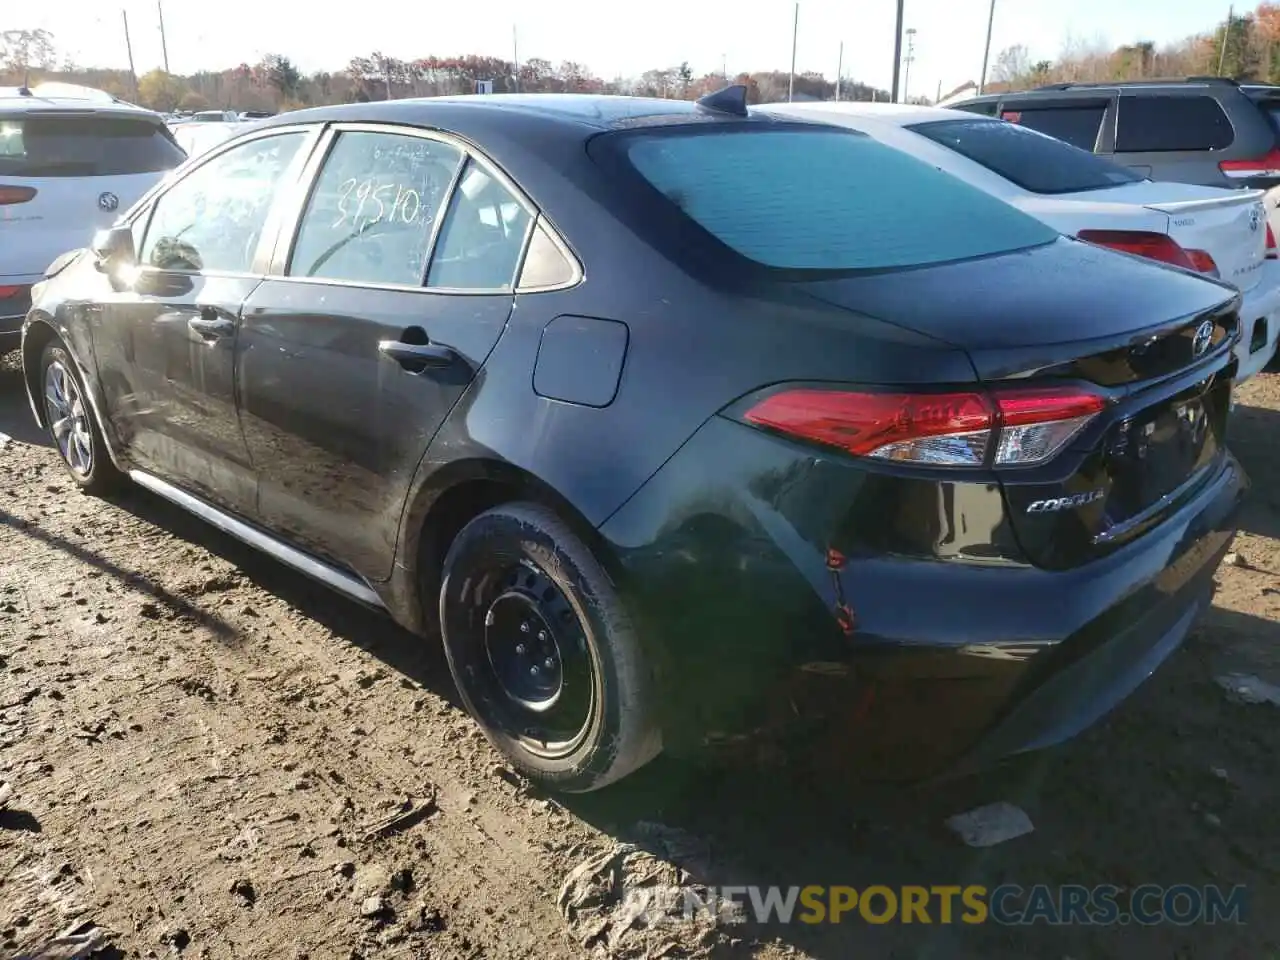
x,y
438,508
37,334
40,331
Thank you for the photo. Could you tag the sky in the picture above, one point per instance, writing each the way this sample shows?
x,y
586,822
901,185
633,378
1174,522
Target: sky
x,y
613,40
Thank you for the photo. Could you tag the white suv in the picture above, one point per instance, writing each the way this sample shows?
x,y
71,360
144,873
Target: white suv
x,y
71,161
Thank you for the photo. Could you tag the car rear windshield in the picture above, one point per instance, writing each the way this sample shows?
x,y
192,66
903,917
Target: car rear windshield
x,y
93,146
1032,160
824,200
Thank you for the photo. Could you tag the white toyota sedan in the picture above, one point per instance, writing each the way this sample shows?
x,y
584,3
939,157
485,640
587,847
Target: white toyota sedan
x,y
1220,232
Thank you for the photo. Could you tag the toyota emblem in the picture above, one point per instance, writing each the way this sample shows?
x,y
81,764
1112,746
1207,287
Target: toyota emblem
x,y
1203,337
108,201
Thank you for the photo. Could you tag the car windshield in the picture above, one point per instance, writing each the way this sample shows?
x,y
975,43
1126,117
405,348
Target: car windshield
x,y
84,146
1028,158
814,199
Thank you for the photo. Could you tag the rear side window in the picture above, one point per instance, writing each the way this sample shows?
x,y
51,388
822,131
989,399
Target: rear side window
x,y
1078,126
804,199
1028,158
85,146
482,236
1162,124
374,209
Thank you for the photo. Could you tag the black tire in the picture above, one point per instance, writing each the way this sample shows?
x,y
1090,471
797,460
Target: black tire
x,y
512,575
79,443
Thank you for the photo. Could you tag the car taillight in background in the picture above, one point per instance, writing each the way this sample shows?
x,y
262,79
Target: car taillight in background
x,y
1266,166
1006,428
1153,246
9,195
10,292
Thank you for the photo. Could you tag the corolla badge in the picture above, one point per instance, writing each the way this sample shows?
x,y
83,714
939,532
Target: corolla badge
x,y
1066,503
108,201
1202,338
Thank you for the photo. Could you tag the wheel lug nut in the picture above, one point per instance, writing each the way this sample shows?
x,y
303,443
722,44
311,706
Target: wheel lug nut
x,y
542,636
520,648
548,663
524,627
533,671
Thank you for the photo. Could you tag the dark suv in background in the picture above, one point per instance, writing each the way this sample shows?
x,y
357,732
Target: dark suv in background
x,y
1206,130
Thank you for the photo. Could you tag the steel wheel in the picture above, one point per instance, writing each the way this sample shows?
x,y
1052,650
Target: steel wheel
x,y
68,418
543,650
539,665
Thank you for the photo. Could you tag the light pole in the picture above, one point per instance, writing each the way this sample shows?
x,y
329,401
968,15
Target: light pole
x,y
897,52
986,51
795,31
911,55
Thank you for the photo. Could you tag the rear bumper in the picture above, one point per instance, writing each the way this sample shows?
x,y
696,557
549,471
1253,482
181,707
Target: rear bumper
x,y
1260,324
947,665
13,310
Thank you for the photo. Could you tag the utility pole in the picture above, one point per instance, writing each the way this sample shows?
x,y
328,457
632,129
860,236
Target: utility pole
x,y
911,55
938,98
897,53
795,30
986,51
724,66
1226,35
839,69
164,45
515,55
129,48
386,74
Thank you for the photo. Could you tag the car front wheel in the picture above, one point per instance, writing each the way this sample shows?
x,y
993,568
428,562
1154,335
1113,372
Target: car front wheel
x,y
71,424
543,652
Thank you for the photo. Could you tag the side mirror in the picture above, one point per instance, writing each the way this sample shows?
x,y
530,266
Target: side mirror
x,y
113,248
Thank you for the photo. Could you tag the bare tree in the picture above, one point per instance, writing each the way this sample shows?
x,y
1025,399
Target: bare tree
x,y
1013,64
22,50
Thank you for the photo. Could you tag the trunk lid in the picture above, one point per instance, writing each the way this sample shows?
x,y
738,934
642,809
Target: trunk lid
x,y
1154,341
1230,227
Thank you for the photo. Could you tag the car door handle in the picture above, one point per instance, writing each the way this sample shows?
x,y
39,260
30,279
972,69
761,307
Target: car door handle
x,y
211,324
418,355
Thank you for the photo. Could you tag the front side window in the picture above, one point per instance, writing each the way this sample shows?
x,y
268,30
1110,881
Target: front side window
x,y
813,200
1030,159
373,211
482,236
212,219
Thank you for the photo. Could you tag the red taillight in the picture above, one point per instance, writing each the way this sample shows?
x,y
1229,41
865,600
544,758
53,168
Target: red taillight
x,y
1024,426
1153,246
1271,244
10,195
1202,262
1268,166
7,292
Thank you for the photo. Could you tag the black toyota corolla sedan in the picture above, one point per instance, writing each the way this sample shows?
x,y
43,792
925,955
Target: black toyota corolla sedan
x,y
675,423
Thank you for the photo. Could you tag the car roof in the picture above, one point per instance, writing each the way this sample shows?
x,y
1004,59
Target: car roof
x,y
47,98
584,113
898,114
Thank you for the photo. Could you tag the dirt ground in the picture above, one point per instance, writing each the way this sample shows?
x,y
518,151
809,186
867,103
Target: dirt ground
x,y
205,750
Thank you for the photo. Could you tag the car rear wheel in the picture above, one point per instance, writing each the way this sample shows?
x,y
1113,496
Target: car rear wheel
x,y
72,426
543,652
